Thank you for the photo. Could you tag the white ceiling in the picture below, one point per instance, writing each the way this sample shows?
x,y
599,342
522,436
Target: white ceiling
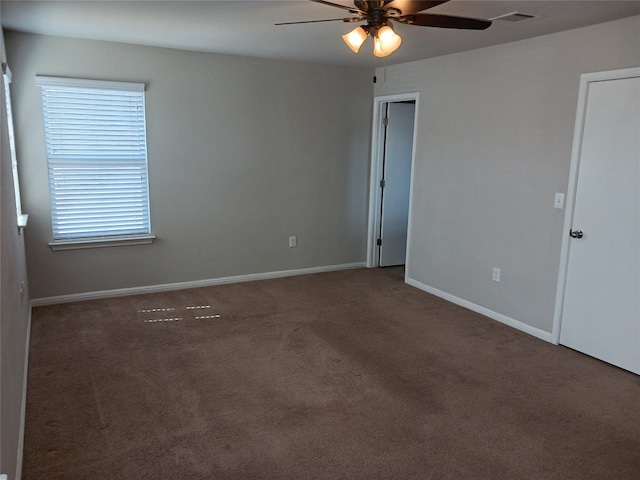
x,y
247,27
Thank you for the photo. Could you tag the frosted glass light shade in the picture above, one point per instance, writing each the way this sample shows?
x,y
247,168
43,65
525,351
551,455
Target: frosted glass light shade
x,y
386,42
355,38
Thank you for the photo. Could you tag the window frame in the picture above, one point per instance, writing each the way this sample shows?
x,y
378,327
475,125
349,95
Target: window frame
x,y
61,242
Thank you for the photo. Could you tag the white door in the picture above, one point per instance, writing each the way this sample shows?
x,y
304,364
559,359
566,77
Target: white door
x,y
601,313
398,153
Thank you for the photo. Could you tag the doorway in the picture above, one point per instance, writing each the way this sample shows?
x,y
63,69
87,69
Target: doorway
x,y
393,147
598,309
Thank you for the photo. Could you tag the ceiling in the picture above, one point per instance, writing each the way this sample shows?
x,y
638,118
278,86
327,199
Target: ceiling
x,y
247,27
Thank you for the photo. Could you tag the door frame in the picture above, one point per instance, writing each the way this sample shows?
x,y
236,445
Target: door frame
x,y
377,157
583,94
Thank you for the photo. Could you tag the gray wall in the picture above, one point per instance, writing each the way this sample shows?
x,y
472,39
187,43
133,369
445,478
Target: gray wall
x,y
14,312
495,132
243,153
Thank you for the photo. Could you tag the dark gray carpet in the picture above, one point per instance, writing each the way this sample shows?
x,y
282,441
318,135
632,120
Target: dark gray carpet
x,y
345,375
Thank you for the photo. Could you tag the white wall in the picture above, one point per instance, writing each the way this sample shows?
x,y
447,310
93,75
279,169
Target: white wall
x,y
243,152
495,131
14,311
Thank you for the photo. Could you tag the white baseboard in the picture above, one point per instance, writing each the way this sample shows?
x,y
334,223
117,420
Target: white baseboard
x,y
120,292
23,407
523,327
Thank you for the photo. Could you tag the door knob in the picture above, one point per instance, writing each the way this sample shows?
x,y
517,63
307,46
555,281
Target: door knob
x,y
575,233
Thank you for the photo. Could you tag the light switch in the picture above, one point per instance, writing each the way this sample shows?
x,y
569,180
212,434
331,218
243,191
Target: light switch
x,y
559,201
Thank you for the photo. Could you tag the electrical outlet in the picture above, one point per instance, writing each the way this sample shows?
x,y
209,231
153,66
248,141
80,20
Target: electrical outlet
x,y
559,201
496,274
293,241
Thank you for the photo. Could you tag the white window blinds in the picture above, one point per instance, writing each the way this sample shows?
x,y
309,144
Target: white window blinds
x,y
97,158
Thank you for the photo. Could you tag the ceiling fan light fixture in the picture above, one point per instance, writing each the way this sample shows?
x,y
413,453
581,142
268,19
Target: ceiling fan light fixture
x,y
355,38
386,42
379,16
377,51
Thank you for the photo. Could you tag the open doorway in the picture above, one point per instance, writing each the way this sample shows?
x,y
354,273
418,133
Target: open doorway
x,y
391,172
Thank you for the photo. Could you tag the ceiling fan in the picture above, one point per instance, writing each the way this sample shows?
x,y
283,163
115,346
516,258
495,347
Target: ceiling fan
x,y
378,15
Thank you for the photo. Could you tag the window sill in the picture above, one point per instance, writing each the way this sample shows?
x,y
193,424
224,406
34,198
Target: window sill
x,y
102,242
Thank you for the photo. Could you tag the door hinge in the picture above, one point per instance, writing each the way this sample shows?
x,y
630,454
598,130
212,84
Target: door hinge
x,y
379,242
375,79
382,183
385,121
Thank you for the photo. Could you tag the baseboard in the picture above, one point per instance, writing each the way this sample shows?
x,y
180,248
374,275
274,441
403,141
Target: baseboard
x,y
166,287
518,325
23,407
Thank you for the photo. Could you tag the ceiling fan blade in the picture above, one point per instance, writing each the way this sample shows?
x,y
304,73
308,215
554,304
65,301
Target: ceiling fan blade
x,y
319,21
444,21
410,6
337,5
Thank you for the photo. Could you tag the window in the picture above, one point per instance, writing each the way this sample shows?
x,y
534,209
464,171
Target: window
x,y
97,160
6,76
